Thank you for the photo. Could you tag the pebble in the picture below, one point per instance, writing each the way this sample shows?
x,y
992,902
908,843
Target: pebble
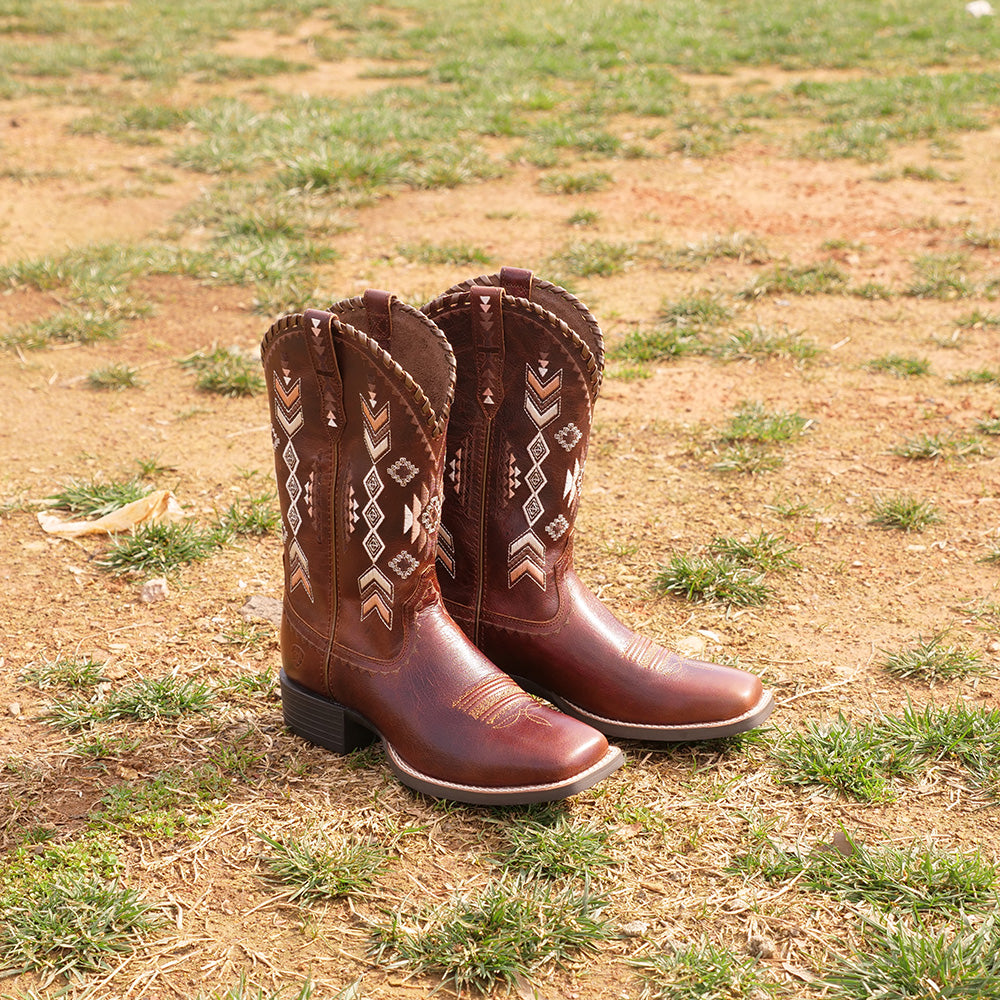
x,y
258,606
14,709
154,590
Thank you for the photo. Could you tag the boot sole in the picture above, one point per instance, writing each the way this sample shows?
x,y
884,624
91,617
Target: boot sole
x,y
335,727
660,734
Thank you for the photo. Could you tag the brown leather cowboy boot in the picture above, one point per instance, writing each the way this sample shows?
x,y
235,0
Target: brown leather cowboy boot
x,y
530,360
359,401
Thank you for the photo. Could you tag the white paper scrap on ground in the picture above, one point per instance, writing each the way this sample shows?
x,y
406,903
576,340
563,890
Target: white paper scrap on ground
x,y
158,507
980,8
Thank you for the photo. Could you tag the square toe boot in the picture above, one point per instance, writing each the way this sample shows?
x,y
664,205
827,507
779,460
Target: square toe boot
x,y
530,361
359,399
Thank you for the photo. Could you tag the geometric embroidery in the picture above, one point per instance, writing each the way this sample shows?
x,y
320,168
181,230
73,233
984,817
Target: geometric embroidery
x,y
455,470
535,479
402,470
403,564
526,554
376,595
375,588
541,399
446,549
422,517
573,477
526,557
352,510
500,703
288,415
376,426
569,436
557,528
513,476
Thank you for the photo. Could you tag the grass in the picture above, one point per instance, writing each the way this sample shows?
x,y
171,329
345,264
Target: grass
x,y
114,377
752,423
913,878
160,549
976,376
509,931
550,844
991,427
764,551
903,512
844,757
744,248
226,372
65,911
71,673
314,868
899,365
897,962
941,276
866,760
569,184
703,972
180,800
935,446
95,498
593,258
933,660
710,579
761,342
147,699
748,459
825,278
658,344
457,255
258,515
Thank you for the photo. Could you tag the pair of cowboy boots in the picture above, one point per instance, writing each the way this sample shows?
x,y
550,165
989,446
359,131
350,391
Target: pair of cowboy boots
x,y
429,467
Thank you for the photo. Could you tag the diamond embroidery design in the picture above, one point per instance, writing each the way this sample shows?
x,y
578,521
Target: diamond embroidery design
x,y
375,588
402,470
557,528
569,436
403,564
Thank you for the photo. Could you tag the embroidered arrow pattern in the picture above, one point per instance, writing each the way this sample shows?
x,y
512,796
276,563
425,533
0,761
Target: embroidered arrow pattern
x,y
288,414
376,595
376,426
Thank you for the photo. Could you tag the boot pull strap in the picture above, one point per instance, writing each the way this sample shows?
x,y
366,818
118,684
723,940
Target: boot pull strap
x,y
320,327
486,304
516,281
378,305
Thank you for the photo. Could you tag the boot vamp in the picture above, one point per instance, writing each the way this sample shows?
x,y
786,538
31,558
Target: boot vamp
x,y
450,714
592,660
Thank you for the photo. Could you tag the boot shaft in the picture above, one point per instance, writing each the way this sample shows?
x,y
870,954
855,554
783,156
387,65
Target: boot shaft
x,y
358,436
517,446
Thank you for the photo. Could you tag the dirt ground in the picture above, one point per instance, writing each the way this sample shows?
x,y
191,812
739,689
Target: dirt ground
x,y
650,492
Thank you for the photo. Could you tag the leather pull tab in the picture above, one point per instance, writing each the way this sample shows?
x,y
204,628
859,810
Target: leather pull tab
x,y
487,334
378,305
320,329
516,281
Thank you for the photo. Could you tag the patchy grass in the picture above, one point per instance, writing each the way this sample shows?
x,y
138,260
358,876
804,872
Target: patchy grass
x,y
508,932
933,659
903,512
712,579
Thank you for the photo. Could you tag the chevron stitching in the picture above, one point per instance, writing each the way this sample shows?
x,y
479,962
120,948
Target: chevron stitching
x,y
288,413
446,549
376,427
526,557
376,595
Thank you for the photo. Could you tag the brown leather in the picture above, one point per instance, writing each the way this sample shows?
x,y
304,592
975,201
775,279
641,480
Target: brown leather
x,y
359,450
511,494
